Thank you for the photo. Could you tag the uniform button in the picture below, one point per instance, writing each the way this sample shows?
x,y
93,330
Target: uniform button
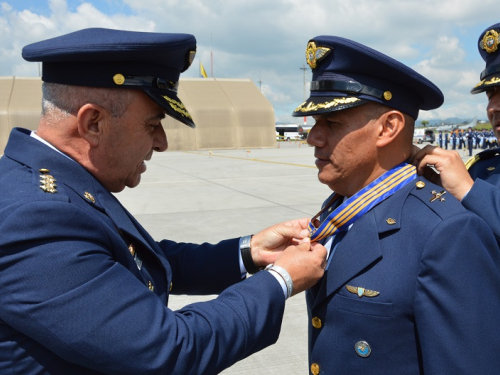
x,y
151,286
316,322
315,369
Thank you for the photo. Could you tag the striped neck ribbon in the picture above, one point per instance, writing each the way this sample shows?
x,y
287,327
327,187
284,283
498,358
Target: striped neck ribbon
x,y
361,202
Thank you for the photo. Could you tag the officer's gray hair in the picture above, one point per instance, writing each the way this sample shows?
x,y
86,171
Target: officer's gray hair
x,y
62,100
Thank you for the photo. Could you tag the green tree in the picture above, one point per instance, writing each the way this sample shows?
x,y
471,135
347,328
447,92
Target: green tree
x,y
424,123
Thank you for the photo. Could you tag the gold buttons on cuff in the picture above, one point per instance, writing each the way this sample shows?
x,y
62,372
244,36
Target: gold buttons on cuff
x,y
151,286
315,369
316,322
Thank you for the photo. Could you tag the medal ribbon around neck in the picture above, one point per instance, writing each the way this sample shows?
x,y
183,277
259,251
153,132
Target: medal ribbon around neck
x,y
362,202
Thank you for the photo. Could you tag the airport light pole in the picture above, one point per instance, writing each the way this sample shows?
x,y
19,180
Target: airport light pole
x,y
304,70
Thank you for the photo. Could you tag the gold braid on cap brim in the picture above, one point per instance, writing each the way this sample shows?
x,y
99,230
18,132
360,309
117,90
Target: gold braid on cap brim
x,y
492,81
177,106
334,103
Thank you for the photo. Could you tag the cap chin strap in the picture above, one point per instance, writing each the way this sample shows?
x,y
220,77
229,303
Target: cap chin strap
x,y
350,87
490,70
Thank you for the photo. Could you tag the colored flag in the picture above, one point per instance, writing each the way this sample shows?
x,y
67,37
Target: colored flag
x,y
203,73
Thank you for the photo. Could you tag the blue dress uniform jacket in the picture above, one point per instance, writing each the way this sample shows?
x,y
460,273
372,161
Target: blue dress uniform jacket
x,y
74,300
484,197
435,267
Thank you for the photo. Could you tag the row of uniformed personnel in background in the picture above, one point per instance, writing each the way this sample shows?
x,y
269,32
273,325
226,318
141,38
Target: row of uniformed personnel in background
x,y
470,139
401,266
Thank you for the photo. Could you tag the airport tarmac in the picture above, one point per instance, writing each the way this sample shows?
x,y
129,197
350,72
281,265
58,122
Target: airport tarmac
x,y
208,196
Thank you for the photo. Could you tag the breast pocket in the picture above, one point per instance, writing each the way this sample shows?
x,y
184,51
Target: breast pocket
x,y
363,306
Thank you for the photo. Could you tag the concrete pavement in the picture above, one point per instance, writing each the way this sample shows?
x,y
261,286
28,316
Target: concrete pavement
x,y
208,196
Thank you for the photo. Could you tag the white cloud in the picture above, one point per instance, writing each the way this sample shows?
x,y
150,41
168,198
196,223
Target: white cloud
x,y
265,40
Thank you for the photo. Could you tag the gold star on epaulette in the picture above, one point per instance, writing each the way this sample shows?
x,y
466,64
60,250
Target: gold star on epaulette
x,y
48,182
362,291
315,54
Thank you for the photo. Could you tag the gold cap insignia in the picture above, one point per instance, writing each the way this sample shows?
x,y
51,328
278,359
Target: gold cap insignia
x,y
420,184
119,79
89,196
315,54
362,291
390,221
490,41
191,56
47,182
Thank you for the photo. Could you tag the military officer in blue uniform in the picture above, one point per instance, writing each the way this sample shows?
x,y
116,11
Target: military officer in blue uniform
x,y
477,183
411,282
84,287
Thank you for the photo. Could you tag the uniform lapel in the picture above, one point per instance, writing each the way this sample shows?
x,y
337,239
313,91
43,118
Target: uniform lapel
x,y
360,248
352,256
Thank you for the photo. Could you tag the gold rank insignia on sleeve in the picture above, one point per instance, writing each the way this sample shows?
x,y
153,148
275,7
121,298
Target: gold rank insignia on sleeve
x,y
47,182
362,291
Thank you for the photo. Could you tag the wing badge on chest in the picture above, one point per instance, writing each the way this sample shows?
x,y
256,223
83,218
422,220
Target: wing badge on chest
x,y
362,291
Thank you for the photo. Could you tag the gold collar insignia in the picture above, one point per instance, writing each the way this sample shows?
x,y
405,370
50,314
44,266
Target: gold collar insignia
x,y
89,197
437,196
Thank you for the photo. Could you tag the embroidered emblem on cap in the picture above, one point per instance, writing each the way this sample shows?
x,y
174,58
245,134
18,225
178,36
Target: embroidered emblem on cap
x,y
363,349
490,41
362,291
48,182
438,196
315,54
191,56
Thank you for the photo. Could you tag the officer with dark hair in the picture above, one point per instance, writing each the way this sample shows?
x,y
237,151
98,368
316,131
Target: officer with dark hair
x,y
85,288
477,183
411,282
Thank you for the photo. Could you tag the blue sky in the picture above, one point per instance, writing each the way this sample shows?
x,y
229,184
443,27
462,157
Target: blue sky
x,y
265,40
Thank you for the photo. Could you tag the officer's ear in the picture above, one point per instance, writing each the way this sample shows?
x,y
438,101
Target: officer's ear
x,y
390,125
91,120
